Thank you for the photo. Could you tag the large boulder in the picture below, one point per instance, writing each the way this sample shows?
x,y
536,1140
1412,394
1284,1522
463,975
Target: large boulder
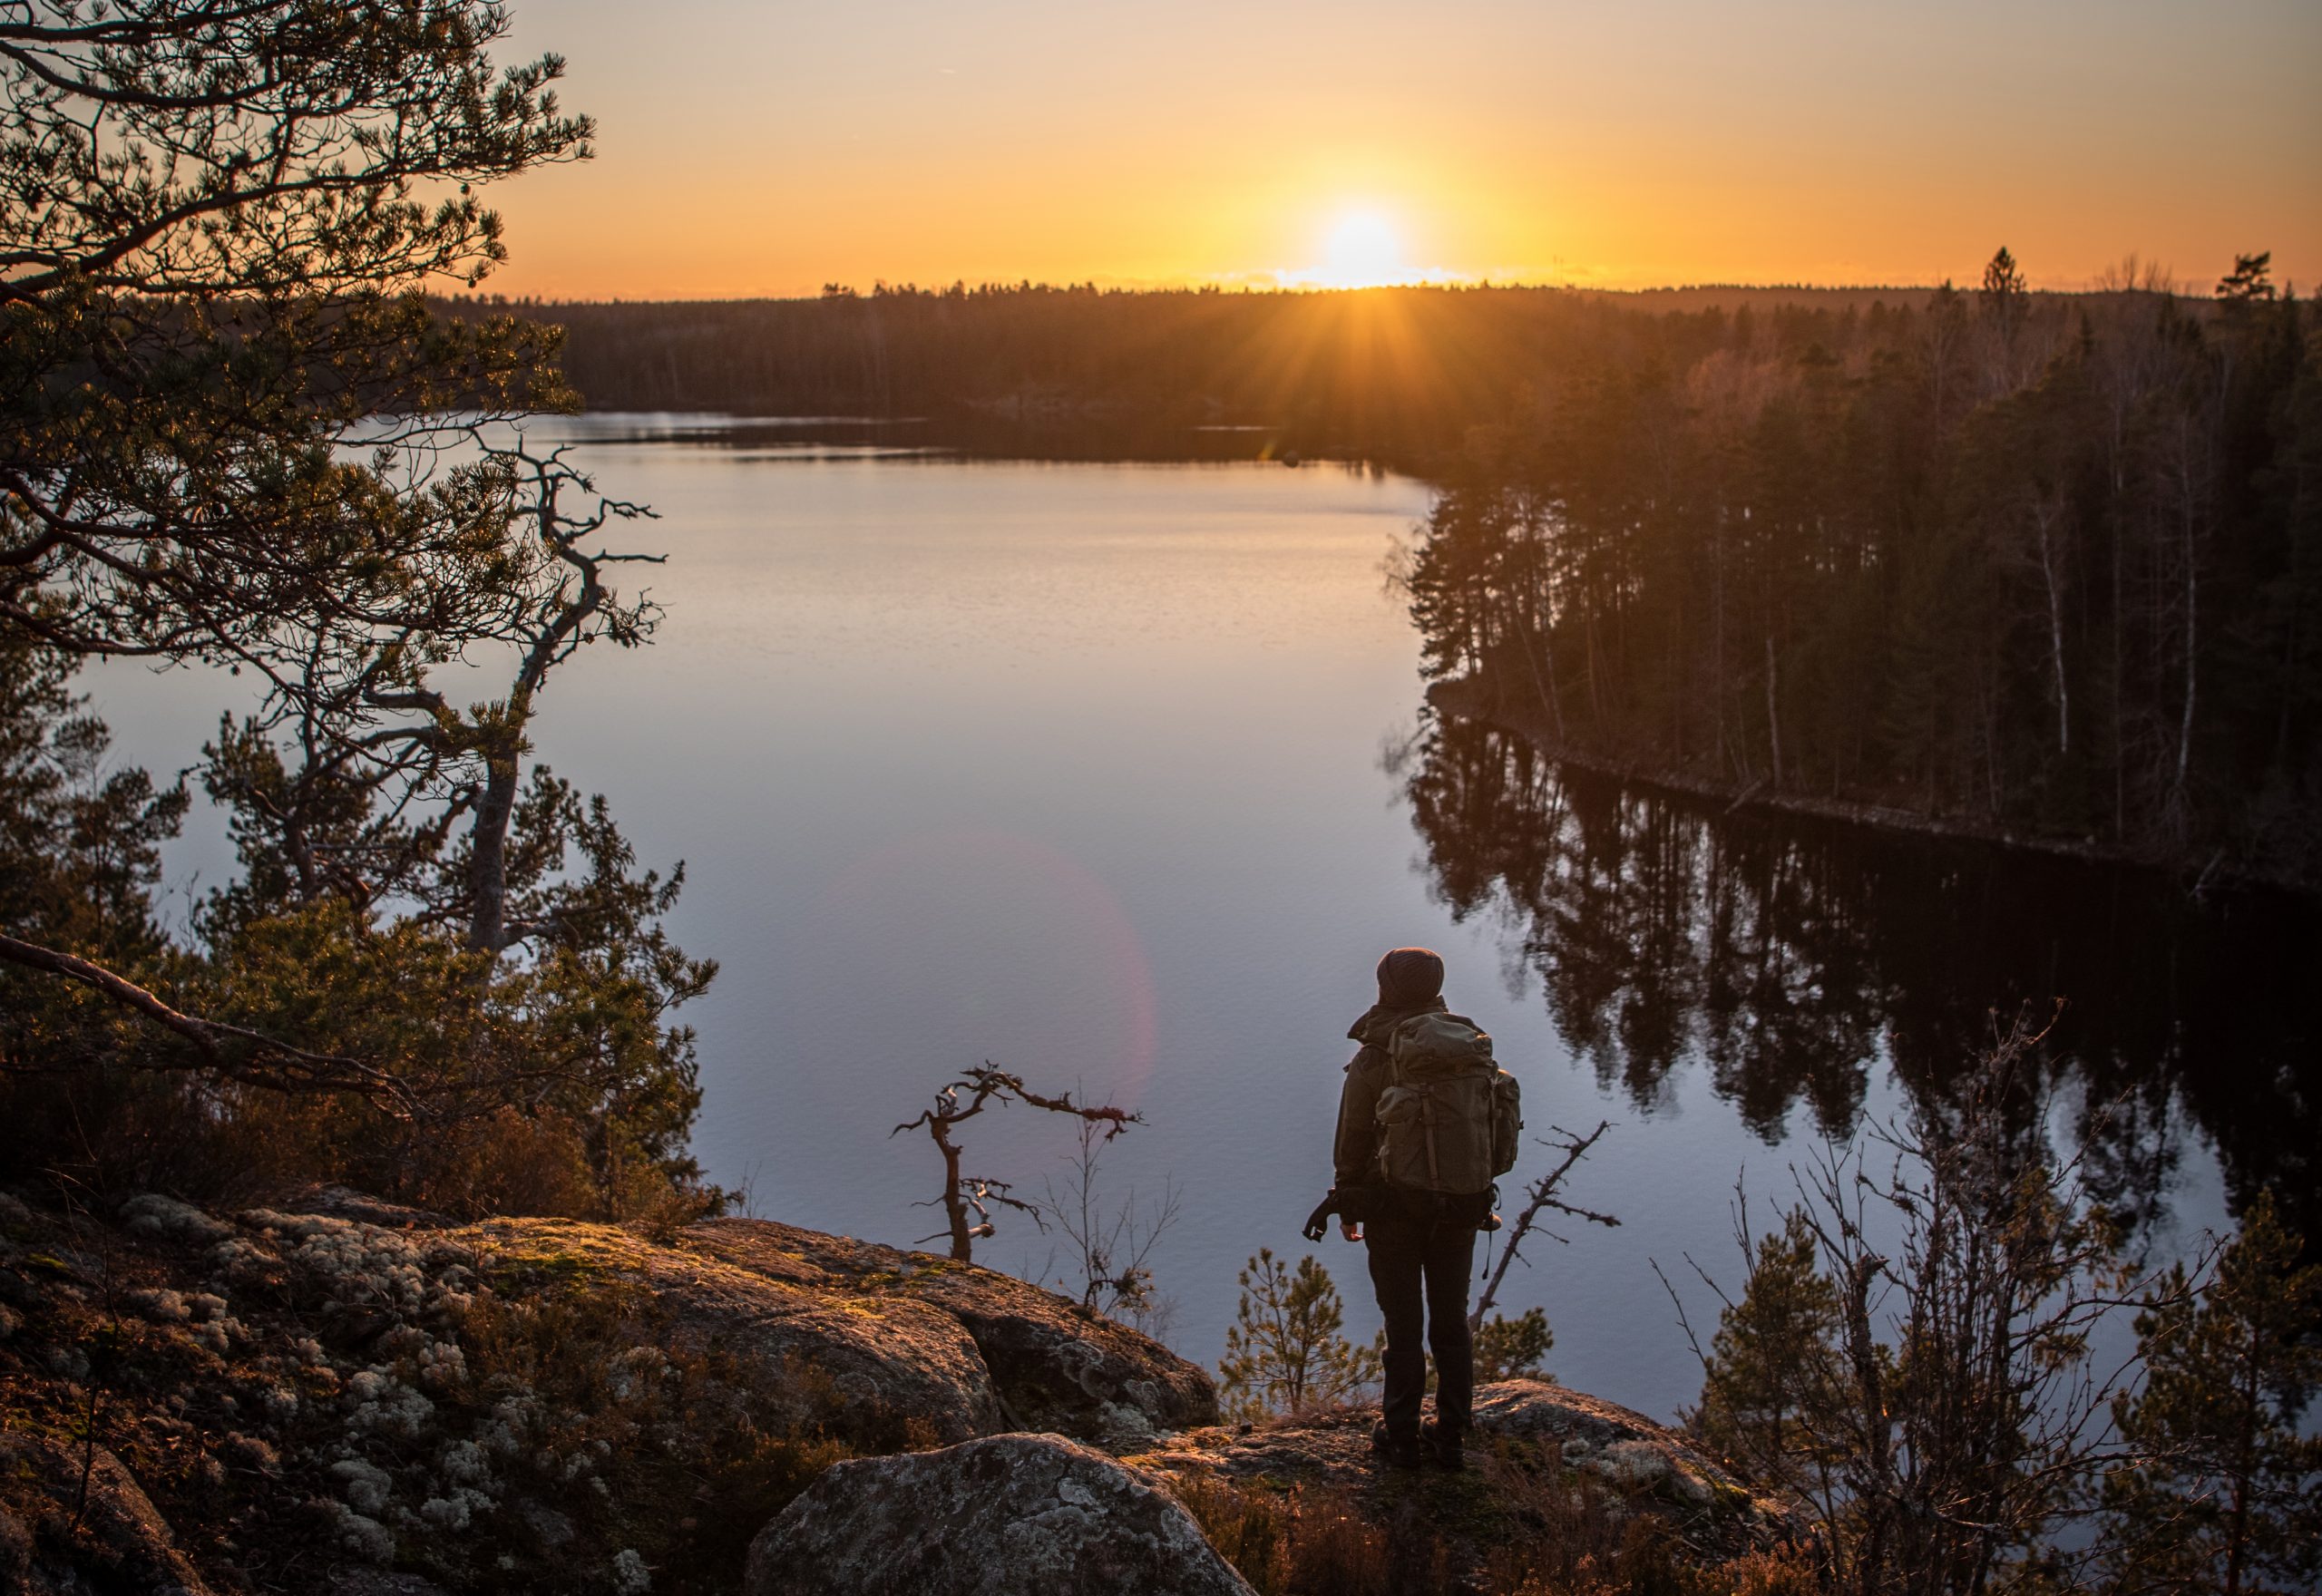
x,y
1009,1515
1629,1451
870,1362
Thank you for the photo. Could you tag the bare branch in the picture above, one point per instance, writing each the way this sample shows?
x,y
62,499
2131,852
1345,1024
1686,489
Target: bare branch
x,y
1541,1195
262,1060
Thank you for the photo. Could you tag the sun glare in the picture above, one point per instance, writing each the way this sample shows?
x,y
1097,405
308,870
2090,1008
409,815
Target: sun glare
x,y
1362,251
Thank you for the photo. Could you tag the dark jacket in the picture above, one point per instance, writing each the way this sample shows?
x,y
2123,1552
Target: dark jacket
x,y
1354,1155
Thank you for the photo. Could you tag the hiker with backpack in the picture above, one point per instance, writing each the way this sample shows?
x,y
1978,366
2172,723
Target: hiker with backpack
x,y
1426,1121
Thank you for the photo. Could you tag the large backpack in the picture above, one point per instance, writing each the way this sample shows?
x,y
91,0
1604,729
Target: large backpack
x,y
1449,1121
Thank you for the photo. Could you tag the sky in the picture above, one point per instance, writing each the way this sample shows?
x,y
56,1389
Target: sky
x,y
749,149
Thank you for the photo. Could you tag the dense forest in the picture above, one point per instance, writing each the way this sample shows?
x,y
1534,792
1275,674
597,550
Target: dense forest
x,y
2022,563
1389,375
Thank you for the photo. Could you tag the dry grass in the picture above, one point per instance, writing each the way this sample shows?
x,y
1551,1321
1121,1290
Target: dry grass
x,y
1567,1537
1303,1542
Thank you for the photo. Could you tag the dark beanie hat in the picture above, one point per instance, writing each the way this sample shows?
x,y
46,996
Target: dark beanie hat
x,y
1410,977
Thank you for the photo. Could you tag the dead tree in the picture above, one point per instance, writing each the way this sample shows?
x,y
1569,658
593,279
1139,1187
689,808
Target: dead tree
x,y
962,1195
1541,1195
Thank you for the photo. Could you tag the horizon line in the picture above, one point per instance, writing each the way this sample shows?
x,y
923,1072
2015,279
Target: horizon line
x,y
881,288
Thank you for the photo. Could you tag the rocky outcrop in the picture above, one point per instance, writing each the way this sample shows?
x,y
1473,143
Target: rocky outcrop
x,y
1014,1515
1658,1469
868,1363
1539,1449
335,1394
332,1390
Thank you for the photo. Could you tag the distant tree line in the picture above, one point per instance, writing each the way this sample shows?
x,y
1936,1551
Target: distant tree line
x,y
1396,376
2027,562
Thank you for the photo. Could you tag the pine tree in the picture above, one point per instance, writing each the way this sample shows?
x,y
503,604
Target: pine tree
x,y
1511,1349
2221,1496
1770,1386
1285,1352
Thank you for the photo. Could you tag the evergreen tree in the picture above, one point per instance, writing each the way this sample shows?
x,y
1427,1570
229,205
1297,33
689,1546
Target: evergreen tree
x,y
221,222
2221,1493
1511,1349
1285,1352
1771,1385
2004,287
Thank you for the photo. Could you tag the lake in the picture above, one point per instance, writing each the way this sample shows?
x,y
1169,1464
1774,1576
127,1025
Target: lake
x,y
1117,776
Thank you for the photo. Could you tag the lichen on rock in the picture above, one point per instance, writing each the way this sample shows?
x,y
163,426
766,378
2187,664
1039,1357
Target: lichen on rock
x,y
1053,1364
316,1399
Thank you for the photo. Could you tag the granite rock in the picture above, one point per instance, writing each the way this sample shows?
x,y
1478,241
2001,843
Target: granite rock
x,y
1006,1515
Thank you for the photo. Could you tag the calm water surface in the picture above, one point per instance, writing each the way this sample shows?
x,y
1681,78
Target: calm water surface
x,y
1116,775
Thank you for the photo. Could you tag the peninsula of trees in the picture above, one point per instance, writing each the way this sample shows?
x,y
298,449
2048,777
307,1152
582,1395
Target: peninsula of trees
x,y
2039,566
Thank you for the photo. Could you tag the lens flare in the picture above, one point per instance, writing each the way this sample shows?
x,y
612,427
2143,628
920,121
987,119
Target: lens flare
x,y
1007,948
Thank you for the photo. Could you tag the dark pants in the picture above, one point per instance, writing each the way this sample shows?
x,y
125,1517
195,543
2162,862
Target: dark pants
x,y
1421,1260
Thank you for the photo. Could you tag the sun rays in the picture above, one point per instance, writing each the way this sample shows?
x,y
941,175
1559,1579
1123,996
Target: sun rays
x,y
1364,246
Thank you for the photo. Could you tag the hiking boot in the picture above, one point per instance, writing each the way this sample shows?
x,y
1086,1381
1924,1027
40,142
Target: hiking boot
x,y
1394,1451
1443,1446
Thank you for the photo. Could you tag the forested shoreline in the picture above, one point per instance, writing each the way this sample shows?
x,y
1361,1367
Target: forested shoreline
x,y
2008,564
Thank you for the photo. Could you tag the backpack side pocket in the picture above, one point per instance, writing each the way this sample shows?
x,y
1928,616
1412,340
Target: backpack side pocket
x,y
1506,1122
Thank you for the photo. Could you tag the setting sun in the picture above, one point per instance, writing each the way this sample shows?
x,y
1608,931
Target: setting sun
x,y
1363,251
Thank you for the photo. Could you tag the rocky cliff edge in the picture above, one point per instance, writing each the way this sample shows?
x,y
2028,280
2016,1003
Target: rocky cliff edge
x,y
334,1394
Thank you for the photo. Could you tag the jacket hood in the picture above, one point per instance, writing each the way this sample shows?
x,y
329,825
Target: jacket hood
x,y
1379,1019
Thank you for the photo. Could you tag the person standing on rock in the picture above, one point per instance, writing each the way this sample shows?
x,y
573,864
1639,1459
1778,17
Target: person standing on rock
x,y
1426,1120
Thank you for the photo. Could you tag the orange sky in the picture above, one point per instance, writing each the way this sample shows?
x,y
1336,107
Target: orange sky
x,y
755,149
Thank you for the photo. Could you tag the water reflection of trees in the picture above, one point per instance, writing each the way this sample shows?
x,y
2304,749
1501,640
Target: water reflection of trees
x,y
1791,959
